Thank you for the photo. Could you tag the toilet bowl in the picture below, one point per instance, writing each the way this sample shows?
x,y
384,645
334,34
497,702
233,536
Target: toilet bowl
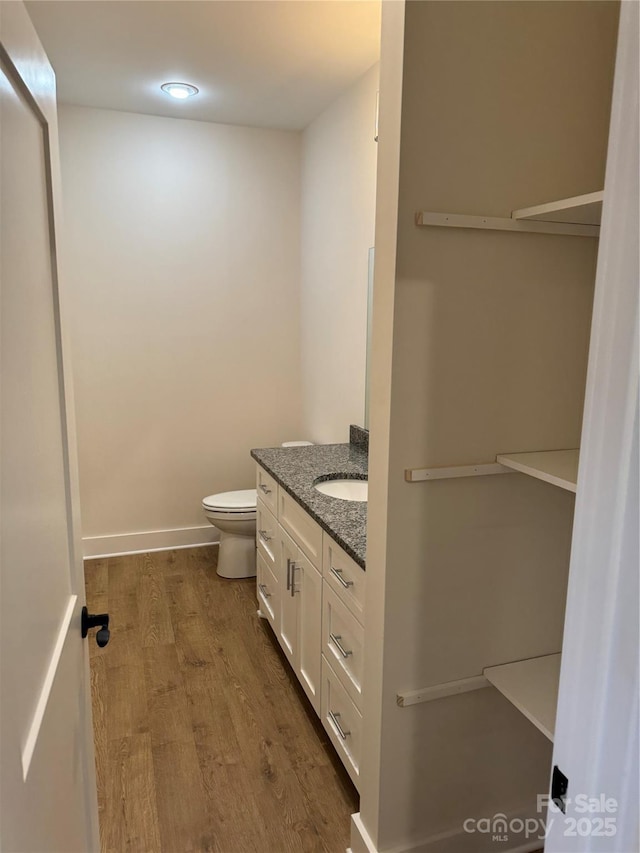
x,y
234,515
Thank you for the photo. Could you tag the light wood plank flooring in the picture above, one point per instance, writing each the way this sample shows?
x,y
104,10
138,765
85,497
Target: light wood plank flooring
x,y
204,739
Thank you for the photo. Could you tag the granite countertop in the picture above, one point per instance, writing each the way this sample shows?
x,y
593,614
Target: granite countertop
x,y
296,469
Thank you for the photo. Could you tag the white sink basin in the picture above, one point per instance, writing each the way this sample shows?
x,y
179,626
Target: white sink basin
x,y
346,490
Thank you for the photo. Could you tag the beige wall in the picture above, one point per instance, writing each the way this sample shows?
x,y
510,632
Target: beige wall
x,y
338,220
503,105
183,263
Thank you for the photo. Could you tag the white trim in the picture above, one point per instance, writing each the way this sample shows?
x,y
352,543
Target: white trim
x,y
150,540
441,691
452,841
500,223
45,691
361,841
151,551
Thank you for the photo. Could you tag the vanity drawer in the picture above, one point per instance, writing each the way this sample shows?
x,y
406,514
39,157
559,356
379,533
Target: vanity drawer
x,y
300,526
344,576
343,643
266,534
267,489
268,592
342,720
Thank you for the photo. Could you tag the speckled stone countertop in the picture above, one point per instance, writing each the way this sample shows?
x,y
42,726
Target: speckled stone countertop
x,y
297,468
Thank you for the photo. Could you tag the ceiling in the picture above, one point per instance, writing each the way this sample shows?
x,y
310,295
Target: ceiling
x,y
263,63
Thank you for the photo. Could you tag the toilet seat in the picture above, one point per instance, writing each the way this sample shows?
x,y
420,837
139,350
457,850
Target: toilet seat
x,y
241,502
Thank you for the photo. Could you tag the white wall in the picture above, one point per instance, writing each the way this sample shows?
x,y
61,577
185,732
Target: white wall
x,y
183,263
338,221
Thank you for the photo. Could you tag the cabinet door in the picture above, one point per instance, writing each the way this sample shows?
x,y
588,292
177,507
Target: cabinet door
x,y
307,587
343,722
267,489
266,535
306,532
268,593
344,576
343,644
288,632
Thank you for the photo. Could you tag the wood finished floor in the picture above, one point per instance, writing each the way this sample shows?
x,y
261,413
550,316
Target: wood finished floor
x,y
204,739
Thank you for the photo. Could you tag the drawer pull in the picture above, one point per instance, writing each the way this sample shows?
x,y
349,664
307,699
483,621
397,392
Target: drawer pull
x,y
263,536
265,489
334,719
263,590
335,639
288,573
293,588
338,573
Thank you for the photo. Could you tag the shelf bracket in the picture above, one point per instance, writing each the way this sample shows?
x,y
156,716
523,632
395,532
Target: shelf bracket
x,y
497,223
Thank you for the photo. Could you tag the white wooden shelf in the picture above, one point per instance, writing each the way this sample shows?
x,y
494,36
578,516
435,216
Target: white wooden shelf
x,y
559,467
532,686
577,217
579,210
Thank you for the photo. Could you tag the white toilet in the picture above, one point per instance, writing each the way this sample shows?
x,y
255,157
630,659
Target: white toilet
x,y
234,514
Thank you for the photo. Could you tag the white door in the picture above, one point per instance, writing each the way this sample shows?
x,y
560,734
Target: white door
x,y
597,725
47,772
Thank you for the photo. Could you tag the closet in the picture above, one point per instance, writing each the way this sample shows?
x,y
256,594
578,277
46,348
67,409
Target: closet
x,y
482,309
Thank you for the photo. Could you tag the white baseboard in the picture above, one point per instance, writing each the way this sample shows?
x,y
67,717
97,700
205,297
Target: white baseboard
x,y
454,841
360,839
151,540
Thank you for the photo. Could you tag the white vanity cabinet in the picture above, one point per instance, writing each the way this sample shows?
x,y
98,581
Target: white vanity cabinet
x,y
312,594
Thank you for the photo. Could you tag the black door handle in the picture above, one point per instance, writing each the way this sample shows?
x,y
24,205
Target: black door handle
x,y
91,620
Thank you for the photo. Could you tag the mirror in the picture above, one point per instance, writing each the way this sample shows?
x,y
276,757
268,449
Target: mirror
x,y
367,378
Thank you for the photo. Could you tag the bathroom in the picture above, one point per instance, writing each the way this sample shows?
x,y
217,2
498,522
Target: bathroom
x,y
218,274
331,669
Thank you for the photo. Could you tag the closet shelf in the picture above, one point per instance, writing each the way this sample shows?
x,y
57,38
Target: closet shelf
x,y
532,686
579,210
559,467
577,217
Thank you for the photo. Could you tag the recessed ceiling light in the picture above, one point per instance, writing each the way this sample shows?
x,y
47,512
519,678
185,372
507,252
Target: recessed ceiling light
x,y
181,91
